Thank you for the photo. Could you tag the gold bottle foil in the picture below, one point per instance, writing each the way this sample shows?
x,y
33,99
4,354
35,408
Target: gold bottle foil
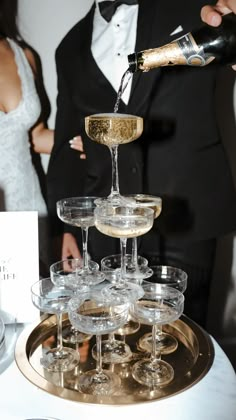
x,y
183,51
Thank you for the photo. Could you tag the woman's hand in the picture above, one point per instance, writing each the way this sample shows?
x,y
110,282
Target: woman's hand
x,y
77,144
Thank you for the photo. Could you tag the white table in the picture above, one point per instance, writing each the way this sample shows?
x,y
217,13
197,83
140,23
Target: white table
x,y
212,398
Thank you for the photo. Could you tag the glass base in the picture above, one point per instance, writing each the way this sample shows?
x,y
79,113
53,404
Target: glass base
x,y
115,199
138,274
105,383
71,335
127,290
90,277
62,360
165,343
113,351
130,327
111,266
153,373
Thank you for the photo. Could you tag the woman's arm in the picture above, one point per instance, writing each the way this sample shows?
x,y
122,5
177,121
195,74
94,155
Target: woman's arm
x,y
41,136
42,139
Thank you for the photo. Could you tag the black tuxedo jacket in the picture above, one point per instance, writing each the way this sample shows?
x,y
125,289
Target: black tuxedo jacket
x,y
179,157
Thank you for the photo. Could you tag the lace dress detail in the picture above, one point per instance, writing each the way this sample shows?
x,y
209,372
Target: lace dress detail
x,y
19,184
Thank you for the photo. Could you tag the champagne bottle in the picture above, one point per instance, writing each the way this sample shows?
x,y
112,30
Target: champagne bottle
x,y
196,48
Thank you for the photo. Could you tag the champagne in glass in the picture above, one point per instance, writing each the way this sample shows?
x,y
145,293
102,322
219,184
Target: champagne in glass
x,y
111,130
143,200
146,200
123,222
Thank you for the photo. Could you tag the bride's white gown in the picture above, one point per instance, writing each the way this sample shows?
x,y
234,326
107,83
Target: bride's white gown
x,y
19,183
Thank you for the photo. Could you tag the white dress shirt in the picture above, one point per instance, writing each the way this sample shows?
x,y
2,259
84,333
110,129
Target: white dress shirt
x,y
113,41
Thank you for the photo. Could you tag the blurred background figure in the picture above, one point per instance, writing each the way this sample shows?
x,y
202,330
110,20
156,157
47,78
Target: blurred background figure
x,y
22,126
24,109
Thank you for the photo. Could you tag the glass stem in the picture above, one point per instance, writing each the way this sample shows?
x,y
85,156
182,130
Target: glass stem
x,y
155,355
59,332
158,332
135,252
61,379
123,242
85,246
111,338
114,177
99,355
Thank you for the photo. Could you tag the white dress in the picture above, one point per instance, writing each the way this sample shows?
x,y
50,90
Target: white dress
x,y
19,184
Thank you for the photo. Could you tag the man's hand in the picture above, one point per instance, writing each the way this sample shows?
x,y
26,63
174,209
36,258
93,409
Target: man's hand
x,y
69,247
212,15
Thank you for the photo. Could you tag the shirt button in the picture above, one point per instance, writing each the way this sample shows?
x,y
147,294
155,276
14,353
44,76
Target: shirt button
x,y
133,170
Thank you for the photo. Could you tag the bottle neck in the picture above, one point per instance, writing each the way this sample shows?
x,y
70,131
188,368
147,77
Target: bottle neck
x,y
183,51
133,62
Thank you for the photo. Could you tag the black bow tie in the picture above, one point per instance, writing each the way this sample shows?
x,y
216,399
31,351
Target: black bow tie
x,y
108,8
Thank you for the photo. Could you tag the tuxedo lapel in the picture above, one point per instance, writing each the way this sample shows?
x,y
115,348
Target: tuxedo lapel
x,y
86,57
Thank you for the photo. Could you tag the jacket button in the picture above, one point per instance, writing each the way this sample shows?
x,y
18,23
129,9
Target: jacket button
x,y
134,170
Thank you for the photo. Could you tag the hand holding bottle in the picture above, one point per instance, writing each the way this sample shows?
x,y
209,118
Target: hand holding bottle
x,y
212,15
197,48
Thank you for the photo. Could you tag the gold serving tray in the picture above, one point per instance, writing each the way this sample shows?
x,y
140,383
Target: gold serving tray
x,y
191,361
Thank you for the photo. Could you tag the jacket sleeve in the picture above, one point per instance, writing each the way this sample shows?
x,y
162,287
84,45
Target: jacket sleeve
x,y
66,171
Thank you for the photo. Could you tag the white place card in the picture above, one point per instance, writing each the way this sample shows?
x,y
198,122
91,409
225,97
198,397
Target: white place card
x,y
19,265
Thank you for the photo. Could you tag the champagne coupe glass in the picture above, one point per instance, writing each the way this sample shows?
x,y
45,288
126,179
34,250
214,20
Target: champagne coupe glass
x,y
171,277
54,300
113,350
92,313
159,305
111,266
113,129
143,200
79,211
66,273
122,222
